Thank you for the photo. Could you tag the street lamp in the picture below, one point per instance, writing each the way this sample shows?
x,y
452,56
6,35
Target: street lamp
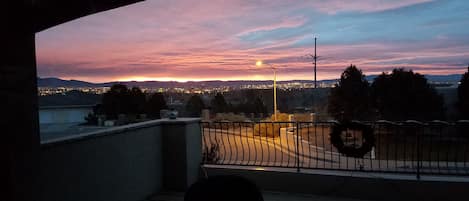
x,y
259,64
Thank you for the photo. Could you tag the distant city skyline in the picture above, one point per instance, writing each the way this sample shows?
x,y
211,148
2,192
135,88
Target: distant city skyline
x,y
221,40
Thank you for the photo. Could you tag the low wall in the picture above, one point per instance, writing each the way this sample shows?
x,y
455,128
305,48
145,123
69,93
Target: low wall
x,y
121,163
64,114
369,186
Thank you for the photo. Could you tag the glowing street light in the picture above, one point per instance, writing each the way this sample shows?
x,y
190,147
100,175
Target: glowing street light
x,y
259,64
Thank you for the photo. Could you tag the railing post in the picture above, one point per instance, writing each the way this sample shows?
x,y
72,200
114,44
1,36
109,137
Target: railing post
x,y
418,150
297,147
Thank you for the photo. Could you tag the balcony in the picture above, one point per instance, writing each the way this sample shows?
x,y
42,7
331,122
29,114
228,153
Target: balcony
x,y
160,159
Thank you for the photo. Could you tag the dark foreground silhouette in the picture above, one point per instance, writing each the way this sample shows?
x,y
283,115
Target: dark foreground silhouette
x,y
228,188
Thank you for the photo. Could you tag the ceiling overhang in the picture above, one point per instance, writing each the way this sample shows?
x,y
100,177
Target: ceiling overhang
x,y
49,13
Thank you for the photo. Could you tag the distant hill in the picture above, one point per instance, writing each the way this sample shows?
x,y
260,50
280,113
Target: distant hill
x,y
56,82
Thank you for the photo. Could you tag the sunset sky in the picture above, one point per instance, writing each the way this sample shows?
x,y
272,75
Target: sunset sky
x,y
185,40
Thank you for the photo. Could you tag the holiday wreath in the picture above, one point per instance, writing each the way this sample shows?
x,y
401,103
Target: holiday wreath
x,y
368,139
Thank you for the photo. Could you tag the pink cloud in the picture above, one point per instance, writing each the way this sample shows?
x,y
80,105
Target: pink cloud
x,y
200,41
335,6
284,23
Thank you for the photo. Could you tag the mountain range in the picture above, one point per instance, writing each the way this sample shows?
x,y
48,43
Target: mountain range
x,y
56,82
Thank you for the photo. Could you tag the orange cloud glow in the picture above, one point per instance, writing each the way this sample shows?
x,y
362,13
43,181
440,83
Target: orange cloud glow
x,y
221,40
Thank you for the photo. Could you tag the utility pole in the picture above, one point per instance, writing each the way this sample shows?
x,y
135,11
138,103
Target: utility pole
x,y
314,58
314,61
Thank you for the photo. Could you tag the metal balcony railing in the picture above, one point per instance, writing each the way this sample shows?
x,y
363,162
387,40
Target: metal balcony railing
x,y
414,147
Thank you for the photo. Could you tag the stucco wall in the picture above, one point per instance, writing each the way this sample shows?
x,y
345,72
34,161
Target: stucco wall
x,y
124,163
121,165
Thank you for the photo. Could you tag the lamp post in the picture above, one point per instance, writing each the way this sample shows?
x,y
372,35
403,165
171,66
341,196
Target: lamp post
x,y
259,64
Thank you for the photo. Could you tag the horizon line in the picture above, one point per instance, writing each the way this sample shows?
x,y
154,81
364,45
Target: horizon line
x,y
219,80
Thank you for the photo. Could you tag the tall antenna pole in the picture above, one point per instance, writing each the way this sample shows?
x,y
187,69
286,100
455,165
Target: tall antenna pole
x,y
315,61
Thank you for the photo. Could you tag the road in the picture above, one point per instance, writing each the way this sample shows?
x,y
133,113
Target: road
x,y
241,147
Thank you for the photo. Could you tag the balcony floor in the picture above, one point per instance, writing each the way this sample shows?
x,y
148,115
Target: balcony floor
x,y
268,196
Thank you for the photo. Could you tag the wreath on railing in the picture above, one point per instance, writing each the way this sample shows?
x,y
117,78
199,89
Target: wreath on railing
x,y
368,139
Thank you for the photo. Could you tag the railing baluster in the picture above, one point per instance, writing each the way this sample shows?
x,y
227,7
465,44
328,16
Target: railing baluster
x,y
456,151
464,140
246,137
281,151
374,150
418,152
323,148
386,136
241,141
396,149
316,143
286,147
268,145
406,148
353,141
310,157
430,136
297,148
332,157
439,150
228,134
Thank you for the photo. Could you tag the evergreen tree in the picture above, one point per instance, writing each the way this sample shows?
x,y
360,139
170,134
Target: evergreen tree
x,y
194,106
463,95
117,101
137,101
219,104
404,95
259,106
155,103
350,98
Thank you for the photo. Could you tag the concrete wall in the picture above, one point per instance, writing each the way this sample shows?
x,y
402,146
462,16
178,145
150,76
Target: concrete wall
x,y
72,114
123,163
